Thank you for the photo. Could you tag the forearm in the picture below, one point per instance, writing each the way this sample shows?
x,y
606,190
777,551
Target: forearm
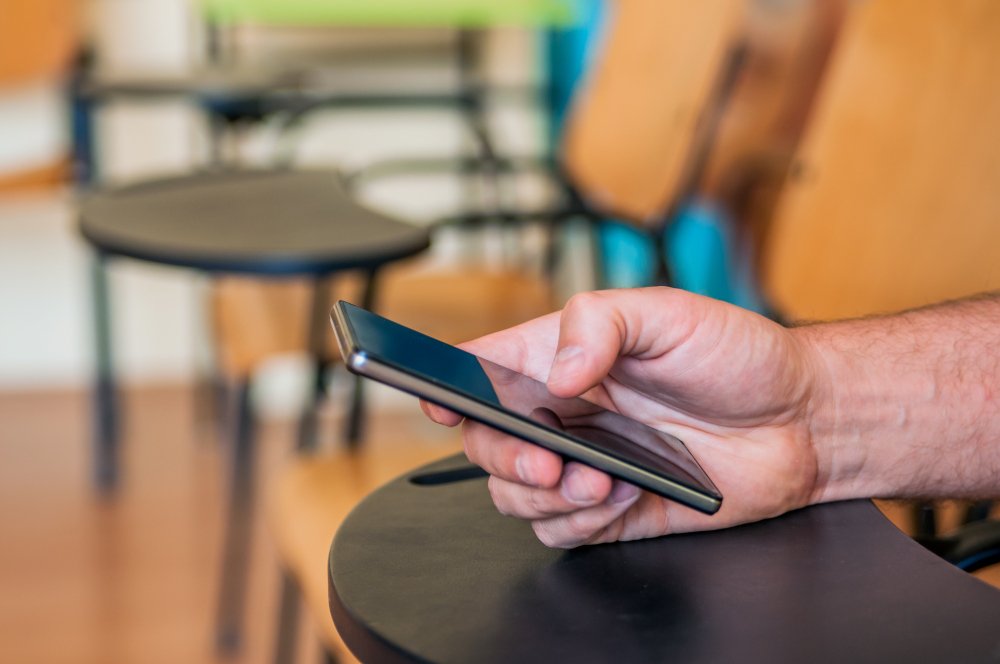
x,y
907,405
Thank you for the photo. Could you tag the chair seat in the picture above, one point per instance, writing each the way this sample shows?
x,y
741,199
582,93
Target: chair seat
x,y
267,222
313,495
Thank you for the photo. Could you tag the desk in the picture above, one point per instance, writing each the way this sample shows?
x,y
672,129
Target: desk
x,y
268,223
271,223
430,571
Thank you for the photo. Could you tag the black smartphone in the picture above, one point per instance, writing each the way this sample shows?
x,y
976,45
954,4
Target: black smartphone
x,y
378,348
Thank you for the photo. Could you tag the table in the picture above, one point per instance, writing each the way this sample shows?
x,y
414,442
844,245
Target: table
x,y
426,570
275,223
270,223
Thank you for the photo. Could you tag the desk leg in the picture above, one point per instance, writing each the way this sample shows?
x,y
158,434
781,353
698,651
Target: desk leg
x,y
106,424
239,521
81,105
318,329
355,417
288,620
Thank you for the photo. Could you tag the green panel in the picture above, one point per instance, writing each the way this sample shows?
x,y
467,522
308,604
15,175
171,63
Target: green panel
x,y
402,13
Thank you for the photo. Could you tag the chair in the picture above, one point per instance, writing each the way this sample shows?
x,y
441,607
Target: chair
x,y
267,223
739,93
891,203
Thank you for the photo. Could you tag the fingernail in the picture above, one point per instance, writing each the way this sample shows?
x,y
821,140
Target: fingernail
x,y
567,361
576,488
623,492
523,471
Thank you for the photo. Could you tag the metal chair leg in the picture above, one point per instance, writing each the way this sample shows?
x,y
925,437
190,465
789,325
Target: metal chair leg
x,y
236,551
106,423
977,511
288,620
924,520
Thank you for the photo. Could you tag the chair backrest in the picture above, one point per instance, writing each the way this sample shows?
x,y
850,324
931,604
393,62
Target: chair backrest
x,y
893,202
38,39
787,49
641,116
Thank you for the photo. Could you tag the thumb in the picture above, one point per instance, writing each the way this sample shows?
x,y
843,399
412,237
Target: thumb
x,y
592,333
595,329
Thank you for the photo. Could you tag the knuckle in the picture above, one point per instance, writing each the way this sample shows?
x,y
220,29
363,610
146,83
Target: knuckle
x,y
580,524
545,535
581,302
472,449
534,501
497,494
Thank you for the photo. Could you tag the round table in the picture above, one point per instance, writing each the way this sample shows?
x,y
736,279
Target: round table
x,y
270,223
425,569
263,222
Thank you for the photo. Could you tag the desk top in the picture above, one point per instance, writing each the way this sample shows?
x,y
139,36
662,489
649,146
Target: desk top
x,y
426,569
261,222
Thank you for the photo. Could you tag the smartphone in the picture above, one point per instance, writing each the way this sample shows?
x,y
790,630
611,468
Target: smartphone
x,y
576,429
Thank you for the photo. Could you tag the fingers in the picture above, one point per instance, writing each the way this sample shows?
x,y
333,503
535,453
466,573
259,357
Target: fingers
x,y
591,334
440,415
602,523
526,348
578,488
582,508
510,458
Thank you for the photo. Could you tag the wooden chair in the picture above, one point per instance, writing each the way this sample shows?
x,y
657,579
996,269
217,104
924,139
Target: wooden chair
x,y
892,202
643,119
670,114
255,321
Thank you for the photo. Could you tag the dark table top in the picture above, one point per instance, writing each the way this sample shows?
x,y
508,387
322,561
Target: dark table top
x,y
426,570
261,222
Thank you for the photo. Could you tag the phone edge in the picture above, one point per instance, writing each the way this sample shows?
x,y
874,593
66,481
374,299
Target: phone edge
x,y
358,362
371,368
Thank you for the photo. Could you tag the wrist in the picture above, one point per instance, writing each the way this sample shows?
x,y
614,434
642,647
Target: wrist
x,y
843,468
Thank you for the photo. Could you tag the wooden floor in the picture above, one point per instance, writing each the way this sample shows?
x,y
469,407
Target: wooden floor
x,y
132,577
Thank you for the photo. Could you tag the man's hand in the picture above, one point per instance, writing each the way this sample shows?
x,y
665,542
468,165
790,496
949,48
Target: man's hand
x,y
737,388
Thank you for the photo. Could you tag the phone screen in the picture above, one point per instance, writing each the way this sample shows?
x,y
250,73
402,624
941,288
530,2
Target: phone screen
x,y
487,382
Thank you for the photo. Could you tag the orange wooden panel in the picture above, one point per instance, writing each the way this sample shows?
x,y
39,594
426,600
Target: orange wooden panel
x,y
41,177
312,496
635,125
37,39
895,202
787,46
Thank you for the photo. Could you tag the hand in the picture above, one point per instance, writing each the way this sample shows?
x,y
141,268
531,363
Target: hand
x,y
734,386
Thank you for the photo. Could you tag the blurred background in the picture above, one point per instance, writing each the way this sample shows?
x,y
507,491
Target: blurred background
x,y
177,440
